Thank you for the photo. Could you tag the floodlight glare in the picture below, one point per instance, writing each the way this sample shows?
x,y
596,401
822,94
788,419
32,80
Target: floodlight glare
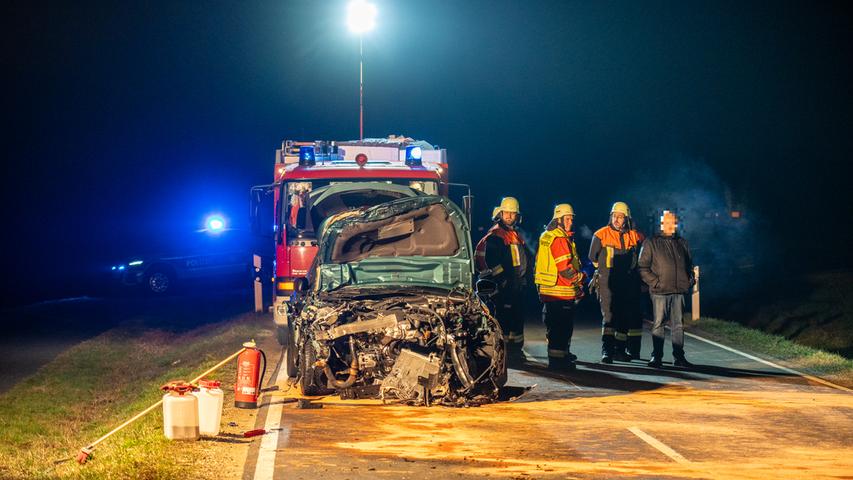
x,y
361,16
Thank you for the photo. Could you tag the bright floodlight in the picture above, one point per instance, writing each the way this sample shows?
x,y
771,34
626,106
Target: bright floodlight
x,y
361,16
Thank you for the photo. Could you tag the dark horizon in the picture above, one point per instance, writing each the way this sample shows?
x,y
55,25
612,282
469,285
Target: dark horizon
x,y
129,123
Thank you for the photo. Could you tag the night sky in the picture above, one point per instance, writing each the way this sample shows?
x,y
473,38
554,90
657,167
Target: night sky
x,y
125,122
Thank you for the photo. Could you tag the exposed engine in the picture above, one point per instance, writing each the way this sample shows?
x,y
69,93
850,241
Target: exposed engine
x,y
417,349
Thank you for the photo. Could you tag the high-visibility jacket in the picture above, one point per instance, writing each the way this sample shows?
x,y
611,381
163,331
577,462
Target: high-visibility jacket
x,y
558,269
615,250
503,255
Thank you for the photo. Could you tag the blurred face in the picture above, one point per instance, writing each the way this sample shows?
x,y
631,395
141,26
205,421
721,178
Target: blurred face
x,y
509,218
668,223
617,220
567,222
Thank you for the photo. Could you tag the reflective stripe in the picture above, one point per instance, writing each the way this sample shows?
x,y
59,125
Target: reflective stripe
x,y
562,258
607,331
556,353
516,256
635,332
621,336
515,337
609,262
559,291
498,270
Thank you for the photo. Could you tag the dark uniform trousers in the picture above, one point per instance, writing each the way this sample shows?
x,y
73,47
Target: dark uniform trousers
x,y
509,312
559,319
622,321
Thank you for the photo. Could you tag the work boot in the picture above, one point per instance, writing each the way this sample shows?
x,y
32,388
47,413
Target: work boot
x,y
655,362
634,355
621,356
682,363
606,358
560,364
571,356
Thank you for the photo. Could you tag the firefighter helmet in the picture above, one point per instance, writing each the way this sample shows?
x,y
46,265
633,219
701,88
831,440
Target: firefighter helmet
x,y
510,204
562,210
621,207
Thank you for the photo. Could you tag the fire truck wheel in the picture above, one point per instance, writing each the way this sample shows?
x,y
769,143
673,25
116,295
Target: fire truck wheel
x,y
291,357
158,282
283,335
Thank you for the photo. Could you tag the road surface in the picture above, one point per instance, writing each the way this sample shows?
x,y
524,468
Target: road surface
x,y
731,417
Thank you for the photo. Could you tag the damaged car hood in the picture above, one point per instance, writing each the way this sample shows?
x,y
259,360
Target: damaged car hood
x,y
419,241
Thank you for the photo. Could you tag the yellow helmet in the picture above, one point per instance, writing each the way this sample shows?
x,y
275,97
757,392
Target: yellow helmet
x,y
509,204
562,210
621,207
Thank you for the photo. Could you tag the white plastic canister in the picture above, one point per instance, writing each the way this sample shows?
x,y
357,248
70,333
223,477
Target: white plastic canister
x,y
180,412
210,399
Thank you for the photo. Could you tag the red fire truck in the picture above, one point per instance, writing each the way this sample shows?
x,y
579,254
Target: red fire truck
x,y
314,180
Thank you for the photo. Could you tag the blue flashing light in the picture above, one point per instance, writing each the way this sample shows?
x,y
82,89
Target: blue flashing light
x,y
306,155
121,267
114,267
414,155
134,263
215,224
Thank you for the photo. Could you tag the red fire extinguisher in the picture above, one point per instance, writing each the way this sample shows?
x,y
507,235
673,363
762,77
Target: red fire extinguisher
x,y
248,384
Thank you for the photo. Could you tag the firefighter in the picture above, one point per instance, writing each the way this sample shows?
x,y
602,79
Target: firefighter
x,y
614,252
502,256
559,280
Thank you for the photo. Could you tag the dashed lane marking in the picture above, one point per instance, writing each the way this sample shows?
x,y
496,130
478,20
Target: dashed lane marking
x,y
769,363
660,446
265,466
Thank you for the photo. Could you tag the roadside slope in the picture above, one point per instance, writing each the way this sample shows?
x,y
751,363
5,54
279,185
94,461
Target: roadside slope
x,y
96,385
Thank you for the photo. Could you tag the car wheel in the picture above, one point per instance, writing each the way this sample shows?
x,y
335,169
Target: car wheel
x,y
158,282
308,373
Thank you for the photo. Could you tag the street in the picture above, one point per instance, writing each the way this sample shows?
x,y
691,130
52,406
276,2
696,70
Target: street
x,y
731,417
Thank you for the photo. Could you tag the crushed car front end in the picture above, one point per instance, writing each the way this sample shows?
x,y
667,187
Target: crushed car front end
x,y
391,312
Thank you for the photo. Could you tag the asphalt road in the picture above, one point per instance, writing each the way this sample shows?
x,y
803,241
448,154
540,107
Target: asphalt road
x,y
731,417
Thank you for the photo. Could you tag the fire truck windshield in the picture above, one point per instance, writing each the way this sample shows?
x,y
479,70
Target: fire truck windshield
x,y
305,204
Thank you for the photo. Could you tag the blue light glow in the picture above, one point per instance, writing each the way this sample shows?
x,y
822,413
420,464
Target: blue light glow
x,y
215,224
413,156
306,155
121,267
414,153
135,263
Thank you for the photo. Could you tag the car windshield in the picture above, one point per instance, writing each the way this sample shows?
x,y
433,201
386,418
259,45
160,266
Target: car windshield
x,y
307,204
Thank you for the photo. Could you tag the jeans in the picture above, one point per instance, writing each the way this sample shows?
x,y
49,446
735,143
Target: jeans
x,y
668,307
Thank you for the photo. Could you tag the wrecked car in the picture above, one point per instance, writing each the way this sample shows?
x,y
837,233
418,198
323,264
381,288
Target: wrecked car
x,y
389,310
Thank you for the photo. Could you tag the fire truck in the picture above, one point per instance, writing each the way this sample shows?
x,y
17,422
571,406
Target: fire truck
x,y
317,179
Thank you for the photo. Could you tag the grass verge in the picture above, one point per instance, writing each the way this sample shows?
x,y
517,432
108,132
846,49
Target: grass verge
x,y
98,384
830,366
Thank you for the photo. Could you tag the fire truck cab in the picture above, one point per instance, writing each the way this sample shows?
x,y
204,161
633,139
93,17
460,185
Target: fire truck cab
x,y
314,180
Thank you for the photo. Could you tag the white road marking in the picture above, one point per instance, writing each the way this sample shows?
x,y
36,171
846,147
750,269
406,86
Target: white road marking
x,y
660,446
766,362
265,466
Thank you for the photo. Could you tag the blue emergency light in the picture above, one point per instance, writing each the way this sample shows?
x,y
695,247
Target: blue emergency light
x,y
215,224
306,156
413,156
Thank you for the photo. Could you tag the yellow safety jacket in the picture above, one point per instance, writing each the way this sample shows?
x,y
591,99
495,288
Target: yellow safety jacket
x,y
547,274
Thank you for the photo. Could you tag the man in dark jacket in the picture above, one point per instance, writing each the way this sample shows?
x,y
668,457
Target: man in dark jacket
x,y
666,267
